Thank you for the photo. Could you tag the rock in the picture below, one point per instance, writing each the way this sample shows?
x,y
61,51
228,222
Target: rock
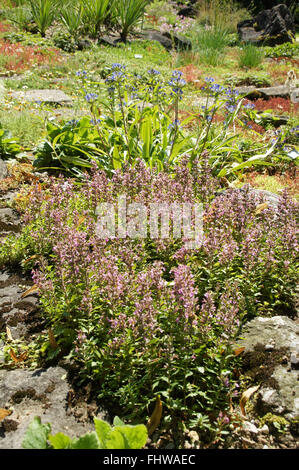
x,y
272,199
43,393
165,39
252,92
269,27
188,11
284,399
261,330
43,96
294,361
3,169
154,35
264,429
180,43
9,220
279,389
83,44
109,40
250,427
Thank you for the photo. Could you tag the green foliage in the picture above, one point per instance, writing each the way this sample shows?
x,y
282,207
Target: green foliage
x,y
71,17
65,41
21,16
282,50
128,14
95,13
277,424
250,56
36,435
119,436
43,13
8,146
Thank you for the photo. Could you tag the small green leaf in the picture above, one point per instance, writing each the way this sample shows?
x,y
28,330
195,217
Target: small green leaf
x,y
135,437
88,441
115,441
36,435
103,430
118,422
60,441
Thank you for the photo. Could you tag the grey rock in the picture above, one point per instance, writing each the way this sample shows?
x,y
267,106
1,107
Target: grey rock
x,y
250,427
109,40
166,40
283,400
261,330
3,169
279,91
43,96
264,429
9,220
261,194
43,393
154,35
279,395
269,27
295,361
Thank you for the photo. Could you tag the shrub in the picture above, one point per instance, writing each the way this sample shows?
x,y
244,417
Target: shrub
x,y
128,14
147,316
282,50
43,14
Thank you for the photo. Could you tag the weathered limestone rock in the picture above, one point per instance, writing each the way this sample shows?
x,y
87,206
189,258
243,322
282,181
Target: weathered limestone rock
x,y
3,169
43,96
269,27
269,344
44,393
165,39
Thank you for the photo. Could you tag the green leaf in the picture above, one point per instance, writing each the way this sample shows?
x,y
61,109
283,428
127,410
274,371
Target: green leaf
x,y
60,441
118,422
115,441
135,437
36,435
103,430
88,441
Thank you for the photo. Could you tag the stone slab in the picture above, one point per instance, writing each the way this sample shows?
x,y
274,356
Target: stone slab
x,y
43,96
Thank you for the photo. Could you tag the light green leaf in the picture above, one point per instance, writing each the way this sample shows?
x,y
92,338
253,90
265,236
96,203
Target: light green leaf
x,y
103,430
60,441
88,441
135,437
118,422
36,435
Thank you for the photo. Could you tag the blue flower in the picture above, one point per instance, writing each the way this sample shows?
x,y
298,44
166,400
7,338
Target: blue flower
x,y
249,106
95,121
117,66
175,124
90,97
209,79
153,72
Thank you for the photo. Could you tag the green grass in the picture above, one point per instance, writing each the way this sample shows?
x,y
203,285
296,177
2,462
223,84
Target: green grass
x,y
250,56
24,125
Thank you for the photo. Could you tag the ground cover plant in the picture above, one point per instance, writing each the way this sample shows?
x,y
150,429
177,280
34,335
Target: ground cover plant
x,y
143,316
147,319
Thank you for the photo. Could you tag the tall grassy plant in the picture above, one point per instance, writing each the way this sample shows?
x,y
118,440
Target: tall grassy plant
x,y
129,13
250,56
210,44
71,17
43,13
95,14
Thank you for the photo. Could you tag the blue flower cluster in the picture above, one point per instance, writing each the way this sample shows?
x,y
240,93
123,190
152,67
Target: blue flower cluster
x,y
177,83
91,97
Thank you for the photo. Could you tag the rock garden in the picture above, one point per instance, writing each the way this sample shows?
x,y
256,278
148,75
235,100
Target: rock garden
x,y
148,224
